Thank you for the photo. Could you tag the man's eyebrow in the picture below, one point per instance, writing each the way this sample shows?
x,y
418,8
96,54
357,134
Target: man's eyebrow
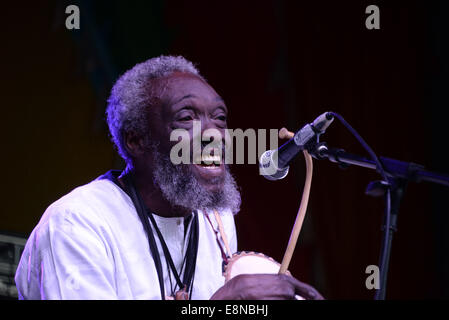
x,y
185,97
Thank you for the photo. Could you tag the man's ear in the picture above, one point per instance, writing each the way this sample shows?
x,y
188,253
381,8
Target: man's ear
x,y
134,144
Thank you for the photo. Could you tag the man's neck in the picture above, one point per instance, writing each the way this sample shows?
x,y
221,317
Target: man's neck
x,y
152,195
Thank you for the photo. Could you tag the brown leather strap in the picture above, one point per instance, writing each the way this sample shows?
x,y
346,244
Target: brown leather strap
x,y
223,254
222,232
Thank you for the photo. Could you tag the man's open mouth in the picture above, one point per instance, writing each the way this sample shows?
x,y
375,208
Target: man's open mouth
x,y
209,167
209,162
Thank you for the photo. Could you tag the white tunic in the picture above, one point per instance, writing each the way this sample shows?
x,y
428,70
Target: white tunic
x,y
91,244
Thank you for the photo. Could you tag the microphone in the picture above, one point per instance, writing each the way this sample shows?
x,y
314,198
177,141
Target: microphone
x,y
273,164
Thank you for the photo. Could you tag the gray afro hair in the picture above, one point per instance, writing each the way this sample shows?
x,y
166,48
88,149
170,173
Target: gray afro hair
x,y
131,95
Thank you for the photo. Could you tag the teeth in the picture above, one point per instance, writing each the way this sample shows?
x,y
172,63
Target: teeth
x,y
211,159
210,167
208,159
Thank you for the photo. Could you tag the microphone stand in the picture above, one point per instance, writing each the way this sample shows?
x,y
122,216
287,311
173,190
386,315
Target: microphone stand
x,y
399,173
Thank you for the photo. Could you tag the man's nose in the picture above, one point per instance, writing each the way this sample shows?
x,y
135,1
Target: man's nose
x,y
209,129
207,123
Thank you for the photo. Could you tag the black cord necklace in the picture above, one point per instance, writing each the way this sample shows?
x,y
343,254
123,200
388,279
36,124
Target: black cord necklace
x,y
186,286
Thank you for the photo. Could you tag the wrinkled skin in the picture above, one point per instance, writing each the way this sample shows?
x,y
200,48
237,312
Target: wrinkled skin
x,y
183,98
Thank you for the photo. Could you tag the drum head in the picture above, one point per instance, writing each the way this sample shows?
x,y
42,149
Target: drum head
x,y
250,263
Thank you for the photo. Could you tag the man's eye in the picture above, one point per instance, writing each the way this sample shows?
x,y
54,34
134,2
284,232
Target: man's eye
x,y
222,118
187,118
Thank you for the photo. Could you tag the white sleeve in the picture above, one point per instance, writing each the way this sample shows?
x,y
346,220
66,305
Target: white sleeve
x,y
67,257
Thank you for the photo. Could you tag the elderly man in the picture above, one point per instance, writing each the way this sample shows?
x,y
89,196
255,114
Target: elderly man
x,y
156,230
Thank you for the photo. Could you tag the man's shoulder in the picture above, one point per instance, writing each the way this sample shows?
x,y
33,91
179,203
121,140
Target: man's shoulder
x,y
94,193
95,201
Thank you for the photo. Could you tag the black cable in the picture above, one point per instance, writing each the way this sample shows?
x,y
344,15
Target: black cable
x,y
380,294
140,208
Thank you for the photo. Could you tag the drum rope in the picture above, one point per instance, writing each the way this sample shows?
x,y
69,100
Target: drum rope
x,y
302,209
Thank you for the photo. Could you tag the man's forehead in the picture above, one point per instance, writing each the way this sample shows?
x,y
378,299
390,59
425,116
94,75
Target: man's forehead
x,y
179,86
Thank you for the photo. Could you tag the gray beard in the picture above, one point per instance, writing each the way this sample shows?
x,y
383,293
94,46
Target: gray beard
x,y
180,187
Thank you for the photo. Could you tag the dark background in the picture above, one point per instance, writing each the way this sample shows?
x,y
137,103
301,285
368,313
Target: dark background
x,y
276,63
